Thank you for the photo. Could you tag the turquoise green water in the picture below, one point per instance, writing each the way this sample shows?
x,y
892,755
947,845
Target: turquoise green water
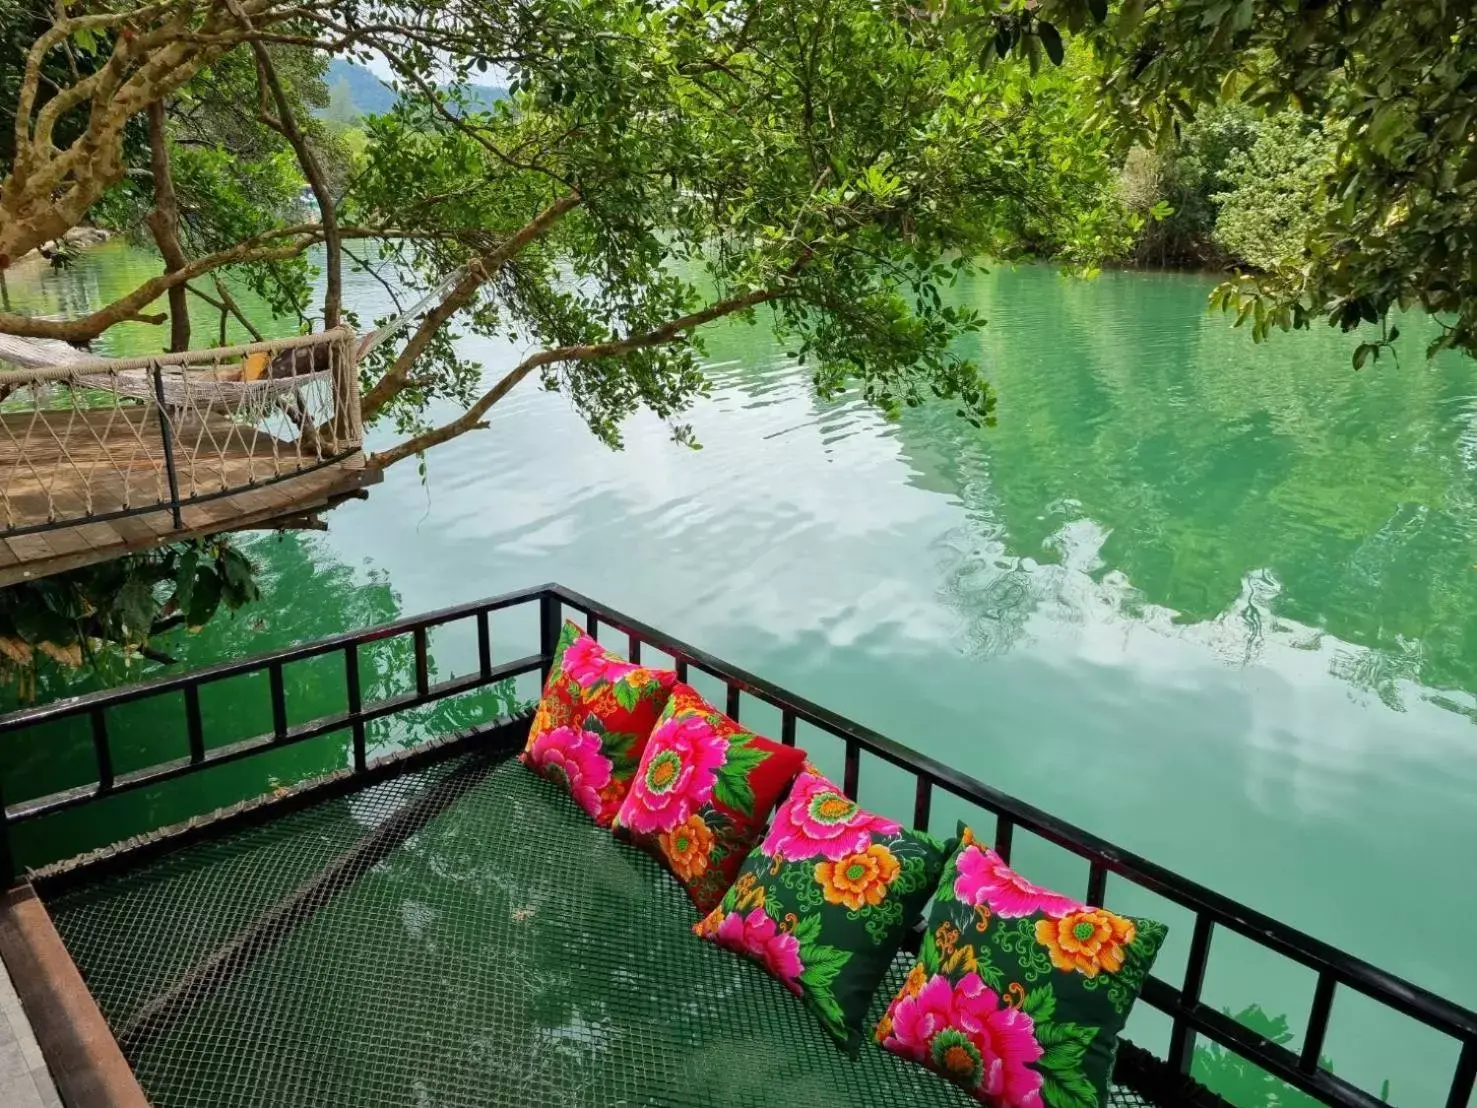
x,y
1214,601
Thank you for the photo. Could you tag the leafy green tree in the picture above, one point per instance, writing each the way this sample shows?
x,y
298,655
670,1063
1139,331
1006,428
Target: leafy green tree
x,y
653,170
1274,198
1184,183
1391,86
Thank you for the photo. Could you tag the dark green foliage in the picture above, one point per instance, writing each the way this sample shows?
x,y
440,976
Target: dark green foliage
x,y
1394,88
83,616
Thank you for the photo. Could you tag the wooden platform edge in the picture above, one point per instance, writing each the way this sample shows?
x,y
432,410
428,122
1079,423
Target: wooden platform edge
x,y
21,571
85,1060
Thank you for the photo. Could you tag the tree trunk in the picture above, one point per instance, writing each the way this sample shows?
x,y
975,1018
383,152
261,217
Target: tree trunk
x,y
164,223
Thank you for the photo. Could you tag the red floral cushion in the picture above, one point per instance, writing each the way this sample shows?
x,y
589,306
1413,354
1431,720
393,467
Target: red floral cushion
x,y
703,792
593,722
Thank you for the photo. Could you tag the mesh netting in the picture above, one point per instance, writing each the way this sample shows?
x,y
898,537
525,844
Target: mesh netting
x,y
461,936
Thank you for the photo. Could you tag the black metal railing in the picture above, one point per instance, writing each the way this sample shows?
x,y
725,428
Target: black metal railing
x,y
1190,1017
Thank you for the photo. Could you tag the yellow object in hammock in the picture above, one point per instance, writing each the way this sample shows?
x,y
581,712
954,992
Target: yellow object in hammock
x,y
254,367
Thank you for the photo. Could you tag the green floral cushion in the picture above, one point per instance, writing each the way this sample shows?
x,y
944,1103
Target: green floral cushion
x,y
824,902
1019,993
594,719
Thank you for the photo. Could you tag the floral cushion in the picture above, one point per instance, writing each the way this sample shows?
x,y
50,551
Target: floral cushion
x,y
593,722
825,901
1019,993
703,792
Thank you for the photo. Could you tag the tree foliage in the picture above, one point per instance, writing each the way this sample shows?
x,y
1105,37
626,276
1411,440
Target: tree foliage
x,y
1394,88
1178,190
1273,198
831,164
102,611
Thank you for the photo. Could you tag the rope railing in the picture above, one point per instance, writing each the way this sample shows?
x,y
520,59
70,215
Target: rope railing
x,y
100,439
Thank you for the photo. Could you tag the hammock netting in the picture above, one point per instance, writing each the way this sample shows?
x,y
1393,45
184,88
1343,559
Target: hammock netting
x,y
490,947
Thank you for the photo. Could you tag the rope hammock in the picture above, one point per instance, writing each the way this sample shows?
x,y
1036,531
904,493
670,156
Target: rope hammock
x,y
110,437
84,437
232,370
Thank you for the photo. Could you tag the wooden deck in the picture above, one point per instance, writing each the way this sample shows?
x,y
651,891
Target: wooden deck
x,y
59,467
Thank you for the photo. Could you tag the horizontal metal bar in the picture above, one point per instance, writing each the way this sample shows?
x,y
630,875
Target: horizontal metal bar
x,y
324,725
1298,946
78,705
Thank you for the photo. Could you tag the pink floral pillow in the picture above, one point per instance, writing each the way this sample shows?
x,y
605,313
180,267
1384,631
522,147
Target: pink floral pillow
x,y
592,724
1019,993
826,900
702,793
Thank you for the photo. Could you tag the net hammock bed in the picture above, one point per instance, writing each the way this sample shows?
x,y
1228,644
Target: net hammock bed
x,y
495,947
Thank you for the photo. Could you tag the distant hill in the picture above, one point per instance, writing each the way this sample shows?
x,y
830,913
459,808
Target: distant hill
x,y
355,90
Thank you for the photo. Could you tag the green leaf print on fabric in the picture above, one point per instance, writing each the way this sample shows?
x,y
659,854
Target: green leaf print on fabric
x,y
1018,987
844,886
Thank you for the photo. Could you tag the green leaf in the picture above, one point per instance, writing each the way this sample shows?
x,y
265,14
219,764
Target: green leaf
x,y
928,954
1040,1004
732,790
1067,1090
822,964
185,578
1056,1034
204,599
807,929
625,695
1051,39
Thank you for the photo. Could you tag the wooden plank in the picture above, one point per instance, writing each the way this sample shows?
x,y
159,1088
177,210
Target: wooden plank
x,y
30,548
248,509
75,1039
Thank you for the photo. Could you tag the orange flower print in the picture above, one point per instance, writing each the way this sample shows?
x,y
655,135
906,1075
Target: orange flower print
x,y
858,879
687,847
916,979
708,926
1086,941
911,987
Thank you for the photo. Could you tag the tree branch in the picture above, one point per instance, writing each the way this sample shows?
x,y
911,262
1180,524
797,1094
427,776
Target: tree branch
x,y
479,272
471,419
286,123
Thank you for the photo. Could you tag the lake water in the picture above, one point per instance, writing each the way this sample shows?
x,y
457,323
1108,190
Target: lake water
x,y
1212,600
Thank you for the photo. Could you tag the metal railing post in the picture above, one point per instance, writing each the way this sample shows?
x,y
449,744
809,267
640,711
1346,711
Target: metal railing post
x,y
548,631
7,856
165,432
